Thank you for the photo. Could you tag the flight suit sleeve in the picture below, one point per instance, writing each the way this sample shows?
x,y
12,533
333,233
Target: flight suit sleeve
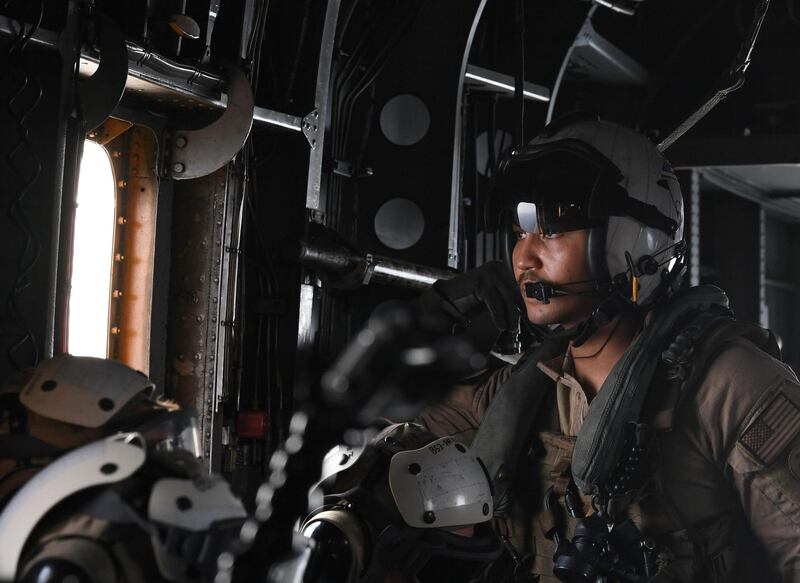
x,y
749,405
460,413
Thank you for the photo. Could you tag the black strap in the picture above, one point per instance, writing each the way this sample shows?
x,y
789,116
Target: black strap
x,y
614,200
649,215
17,447
508,423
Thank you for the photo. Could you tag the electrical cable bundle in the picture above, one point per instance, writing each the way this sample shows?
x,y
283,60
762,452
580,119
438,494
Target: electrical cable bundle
x,y
24,97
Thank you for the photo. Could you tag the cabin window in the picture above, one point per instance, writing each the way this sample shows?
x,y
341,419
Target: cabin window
x,y
92,255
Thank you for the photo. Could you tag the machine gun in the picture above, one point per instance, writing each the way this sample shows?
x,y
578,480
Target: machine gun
x,y
396,363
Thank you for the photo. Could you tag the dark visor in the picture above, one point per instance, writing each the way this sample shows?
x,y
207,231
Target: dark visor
x,y
566,186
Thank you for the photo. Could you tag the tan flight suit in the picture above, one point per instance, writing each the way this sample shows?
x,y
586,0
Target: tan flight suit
x,y
729,458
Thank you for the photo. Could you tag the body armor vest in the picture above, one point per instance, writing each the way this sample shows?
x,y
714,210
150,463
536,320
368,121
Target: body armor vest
x,y
708,542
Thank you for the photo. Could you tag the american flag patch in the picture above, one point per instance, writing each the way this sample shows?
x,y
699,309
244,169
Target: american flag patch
x,y
773,429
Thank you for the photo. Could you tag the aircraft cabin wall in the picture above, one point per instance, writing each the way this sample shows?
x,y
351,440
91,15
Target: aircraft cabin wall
x,y
282,169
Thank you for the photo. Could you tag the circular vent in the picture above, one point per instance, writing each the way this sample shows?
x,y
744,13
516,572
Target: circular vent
x,y
399,223
405,119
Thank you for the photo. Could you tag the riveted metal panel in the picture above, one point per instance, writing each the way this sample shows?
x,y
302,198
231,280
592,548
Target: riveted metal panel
x,y
136,291
200,246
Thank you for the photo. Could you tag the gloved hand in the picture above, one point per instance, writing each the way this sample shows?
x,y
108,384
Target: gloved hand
x,y
489,287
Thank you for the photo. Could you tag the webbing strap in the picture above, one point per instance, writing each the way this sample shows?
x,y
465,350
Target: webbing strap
x,y
507,425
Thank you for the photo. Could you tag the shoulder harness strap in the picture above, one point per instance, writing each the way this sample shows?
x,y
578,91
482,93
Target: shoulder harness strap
x,y
686,359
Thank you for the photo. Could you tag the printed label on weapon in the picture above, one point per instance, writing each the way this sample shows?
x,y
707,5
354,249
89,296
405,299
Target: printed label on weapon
x,y
455,483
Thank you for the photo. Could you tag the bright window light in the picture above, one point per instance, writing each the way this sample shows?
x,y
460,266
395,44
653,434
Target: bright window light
x,y
93,247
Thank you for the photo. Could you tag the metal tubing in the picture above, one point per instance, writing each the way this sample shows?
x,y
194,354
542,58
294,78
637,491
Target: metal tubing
x,y
315,195
173,69
284,120
68,133
494,81
328,259
455,191
144,65
519,77
372,268
399,273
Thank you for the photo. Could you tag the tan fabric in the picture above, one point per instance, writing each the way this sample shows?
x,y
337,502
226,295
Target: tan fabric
x,y
572,399
712,484
460,414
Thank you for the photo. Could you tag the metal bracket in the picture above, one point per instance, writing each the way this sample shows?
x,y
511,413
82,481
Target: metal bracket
x,y
196,153
311,128
316,196
348,170
342,168
369,269
213,11
100,93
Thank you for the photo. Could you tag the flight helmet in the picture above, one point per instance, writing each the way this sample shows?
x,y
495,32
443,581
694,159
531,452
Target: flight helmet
x,y
583,173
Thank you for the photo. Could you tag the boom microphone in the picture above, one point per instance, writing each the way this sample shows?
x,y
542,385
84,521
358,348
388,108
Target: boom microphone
x,y
543,292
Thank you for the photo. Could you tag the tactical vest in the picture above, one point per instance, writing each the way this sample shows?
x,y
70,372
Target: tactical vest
x,y
718,549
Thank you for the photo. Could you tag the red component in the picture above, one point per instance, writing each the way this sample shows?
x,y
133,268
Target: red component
x,y
253,424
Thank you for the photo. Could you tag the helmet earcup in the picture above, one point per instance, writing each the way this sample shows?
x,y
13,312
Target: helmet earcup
x,y
596,252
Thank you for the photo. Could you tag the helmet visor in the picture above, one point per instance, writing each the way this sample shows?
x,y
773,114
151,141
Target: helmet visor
x,y
571,187
528,217
552,194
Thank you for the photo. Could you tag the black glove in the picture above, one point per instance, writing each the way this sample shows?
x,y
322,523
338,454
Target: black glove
x,y
489,287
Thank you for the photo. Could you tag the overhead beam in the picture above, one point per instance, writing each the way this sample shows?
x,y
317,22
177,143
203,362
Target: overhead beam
x,y
155,76
478,77
785,207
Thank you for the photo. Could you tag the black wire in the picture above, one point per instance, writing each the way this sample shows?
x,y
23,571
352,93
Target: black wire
x,y
300,42
349,68
256,43
31,251
519,78
341,78
602,346
267,331
377,67
491,158
344,110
